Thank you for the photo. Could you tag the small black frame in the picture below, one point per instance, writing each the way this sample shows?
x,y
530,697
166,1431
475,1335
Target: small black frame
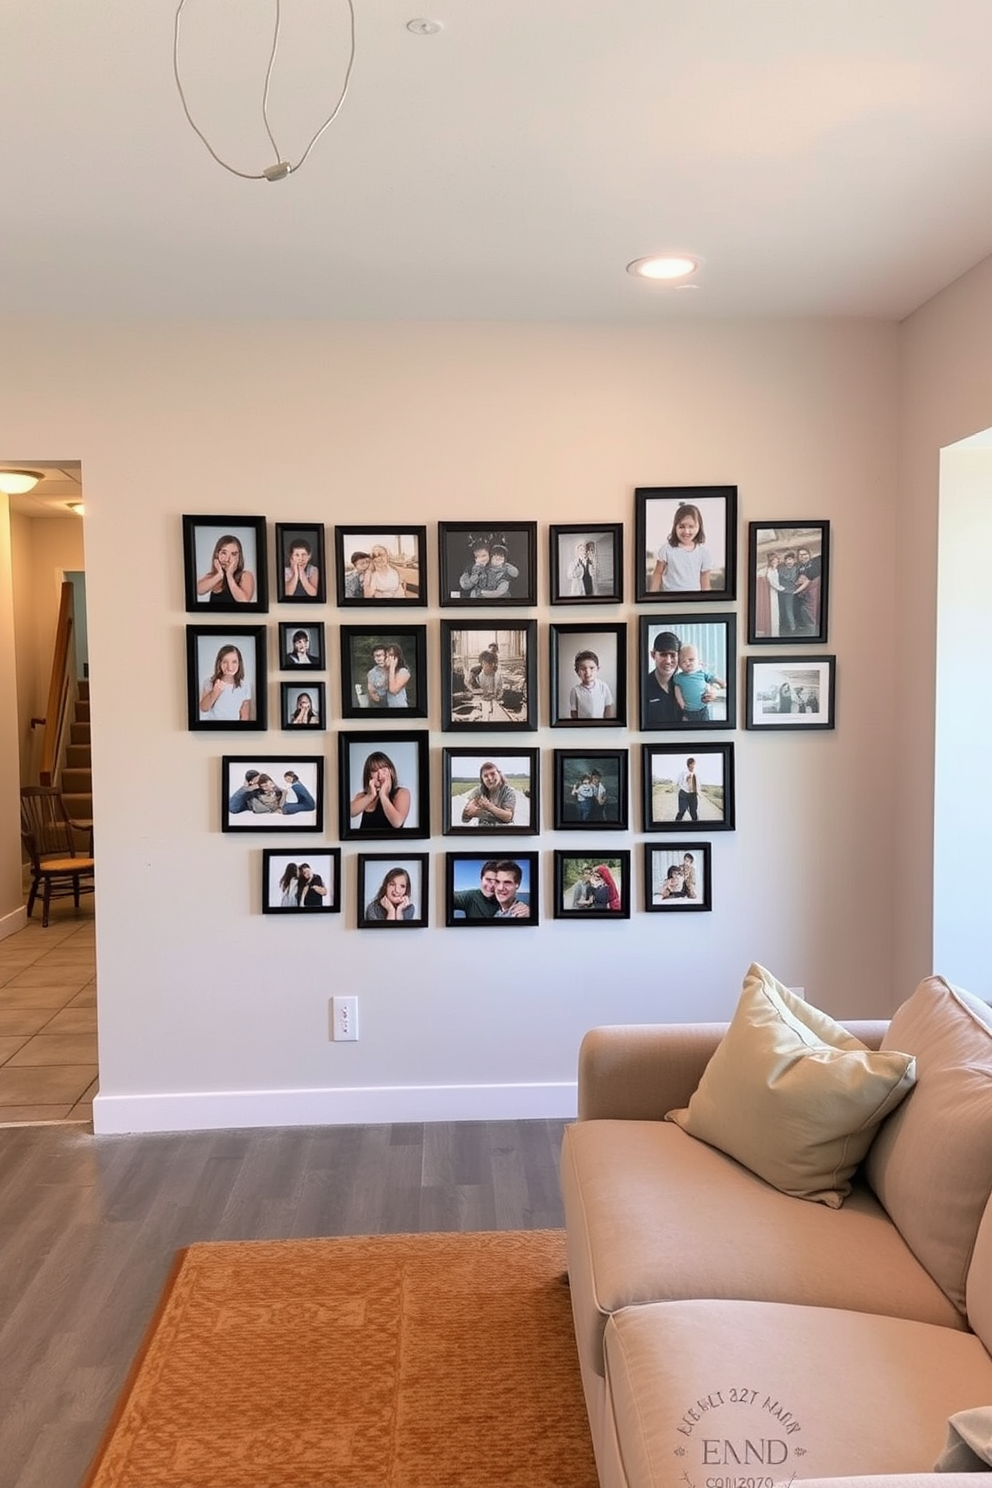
x,y
588,675
657,510
488,675
378,909
289,646
667,774
294,711
473,802
586,563
790,692
300,563
592,886
224,565
468,578
590,790
382,565
660,859
290,805
364,761
390,691
469,876
282,892
225,667
661,638
787,601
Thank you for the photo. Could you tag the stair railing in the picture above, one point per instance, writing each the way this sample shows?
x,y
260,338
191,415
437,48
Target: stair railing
x,y
61,692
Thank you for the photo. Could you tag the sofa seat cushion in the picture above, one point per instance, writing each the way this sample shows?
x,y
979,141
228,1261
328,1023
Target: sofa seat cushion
x,y
652,1215
708,1391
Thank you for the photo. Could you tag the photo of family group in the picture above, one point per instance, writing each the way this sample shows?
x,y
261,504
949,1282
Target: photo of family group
x,y
677,877
384,671
487,792
587,564
272,795
788,583
224,564
685,542
225,677
384,785
303,706
487,676
487,563
301,646
292,884
493,890
688,787
790,693
687,671
377,565
588,675
590,789
592,887
300,555
392,892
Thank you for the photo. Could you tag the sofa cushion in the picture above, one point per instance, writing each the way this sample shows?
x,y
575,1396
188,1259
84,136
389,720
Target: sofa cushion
x,y
931,1164
793,1095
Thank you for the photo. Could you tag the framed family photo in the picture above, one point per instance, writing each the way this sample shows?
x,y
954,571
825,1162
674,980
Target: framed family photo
x,y
788,571
488,675
677,877
224,564
592,887
686,671
300,563
498,889
384,671
225,677
688,787
590,790
303,705
301,646
392,891
381,565
384,785
487,790
587,563
685,543
264,794
790,692
487,563
588,676
301,883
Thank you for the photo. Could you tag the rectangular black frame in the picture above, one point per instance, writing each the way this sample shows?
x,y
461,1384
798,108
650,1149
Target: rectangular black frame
x,y
405,752
357,701
806,710
601,871
457,543
419,891
276,861
310,534
704,754
570,767
290,696
466,703
658,707
204,539
655,507
452,872
789,616
659,856
411,568
249,641
572,641
586,578
456,825
288,631
234,787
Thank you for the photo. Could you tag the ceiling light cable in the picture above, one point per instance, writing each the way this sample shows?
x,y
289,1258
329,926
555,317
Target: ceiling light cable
x,y
282,168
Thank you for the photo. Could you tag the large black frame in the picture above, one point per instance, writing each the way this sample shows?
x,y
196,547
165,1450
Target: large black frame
x,y
471,895
659,709
659,788
410,568
793,613
457,824
249,641
458,543
405,751
237,790
358,695
476,696
654,508
586,901
204,539
565,646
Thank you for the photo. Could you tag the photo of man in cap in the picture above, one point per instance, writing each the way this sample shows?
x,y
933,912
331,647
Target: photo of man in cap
x,y
660,705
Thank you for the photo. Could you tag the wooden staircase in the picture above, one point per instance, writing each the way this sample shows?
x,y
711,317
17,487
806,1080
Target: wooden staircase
x,y
77,771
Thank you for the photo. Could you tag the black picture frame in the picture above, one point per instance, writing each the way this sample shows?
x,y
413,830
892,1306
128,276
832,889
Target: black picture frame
x,y
670,806
592,886
467,783
403,565
788,602
292,702
209,653
375,872
281,889
475,696
607,798
364,695
204,542
659,859
293,590
405,754
807,683
714,637
237,791
466,903
656,510
460,546
573,692
289,631
593,575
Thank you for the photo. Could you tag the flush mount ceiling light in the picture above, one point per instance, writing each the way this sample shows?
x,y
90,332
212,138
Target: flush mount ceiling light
x,y
77,507
665,268
19,482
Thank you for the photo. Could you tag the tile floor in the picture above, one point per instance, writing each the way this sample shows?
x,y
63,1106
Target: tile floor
x,y
48,1064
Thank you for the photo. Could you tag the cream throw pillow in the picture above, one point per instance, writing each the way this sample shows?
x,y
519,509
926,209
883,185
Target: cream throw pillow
x,y
792,1095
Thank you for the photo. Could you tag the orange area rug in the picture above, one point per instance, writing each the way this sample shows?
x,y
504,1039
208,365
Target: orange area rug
x,y
392,1361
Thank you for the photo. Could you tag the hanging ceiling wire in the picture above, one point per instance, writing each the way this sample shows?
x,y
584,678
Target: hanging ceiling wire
x,y
282,167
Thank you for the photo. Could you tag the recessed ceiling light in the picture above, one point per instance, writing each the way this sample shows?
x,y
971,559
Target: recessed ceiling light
x,y
421,26
665,268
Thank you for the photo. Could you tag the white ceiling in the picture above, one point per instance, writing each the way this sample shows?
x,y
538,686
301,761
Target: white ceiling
x,y
825,157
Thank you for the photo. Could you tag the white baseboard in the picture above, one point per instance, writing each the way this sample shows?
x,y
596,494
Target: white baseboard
x,y
373,1105
11,923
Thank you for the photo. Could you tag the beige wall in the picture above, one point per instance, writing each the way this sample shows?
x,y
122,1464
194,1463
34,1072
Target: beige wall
x,y
11,906
42,549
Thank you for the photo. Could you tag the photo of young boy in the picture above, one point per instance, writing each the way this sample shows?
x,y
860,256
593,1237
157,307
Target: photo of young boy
x,y
588,668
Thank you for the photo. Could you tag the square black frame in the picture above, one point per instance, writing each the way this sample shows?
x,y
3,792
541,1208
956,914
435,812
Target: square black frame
x,y
615,862
658,707
274,857
288,534
203,538
455,542
570,766
654,506
403,750
356,699
465,705
398,860
455,825
659,855
803,622
452,873
234,770
412,570
562,686
697,751
289,693
810,715
571,578
200,640
288,631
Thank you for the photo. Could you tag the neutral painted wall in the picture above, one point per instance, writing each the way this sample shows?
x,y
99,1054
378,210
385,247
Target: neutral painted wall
x,y
11,897
42,549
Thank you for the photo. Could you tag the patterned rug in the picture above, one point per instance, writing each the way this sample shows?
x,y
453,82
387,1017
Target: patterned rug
x,y
393,1361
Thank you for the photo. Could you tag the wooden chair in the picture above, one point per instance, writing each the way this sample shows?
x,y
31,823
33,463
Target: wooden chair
x,y
56,868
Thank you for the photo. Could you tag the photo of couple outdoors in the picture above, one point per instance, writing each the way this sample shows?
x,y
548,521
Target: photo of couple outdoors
x,y
688,678
489,794
383,567
383,675
271,793
591,885
489,890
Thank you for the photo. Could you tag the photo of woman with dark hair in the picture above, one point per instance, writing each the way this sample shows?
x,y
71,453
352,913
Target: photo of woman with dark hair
x,y
226,695
287,887
227,580
382,802
392,900
305,714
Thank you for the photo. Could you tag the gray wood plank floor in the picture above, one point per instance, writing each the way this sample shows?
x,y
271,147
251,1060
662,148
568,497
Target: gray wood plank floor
x,y
89,1226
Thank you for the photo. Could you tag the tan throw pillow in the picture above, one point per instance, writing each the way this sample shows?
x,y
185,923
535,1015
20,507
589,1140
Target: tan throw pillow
x,y
792,1095
931,1166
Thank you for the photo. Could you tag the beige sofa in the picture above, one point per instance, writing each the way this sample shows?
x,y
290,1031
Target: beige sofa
x,y
732,1336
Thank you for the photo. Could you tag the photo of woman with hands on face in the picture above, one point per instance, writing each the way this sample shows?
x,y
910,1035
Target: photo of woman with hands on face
x,y
382,803
392,900
227,581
